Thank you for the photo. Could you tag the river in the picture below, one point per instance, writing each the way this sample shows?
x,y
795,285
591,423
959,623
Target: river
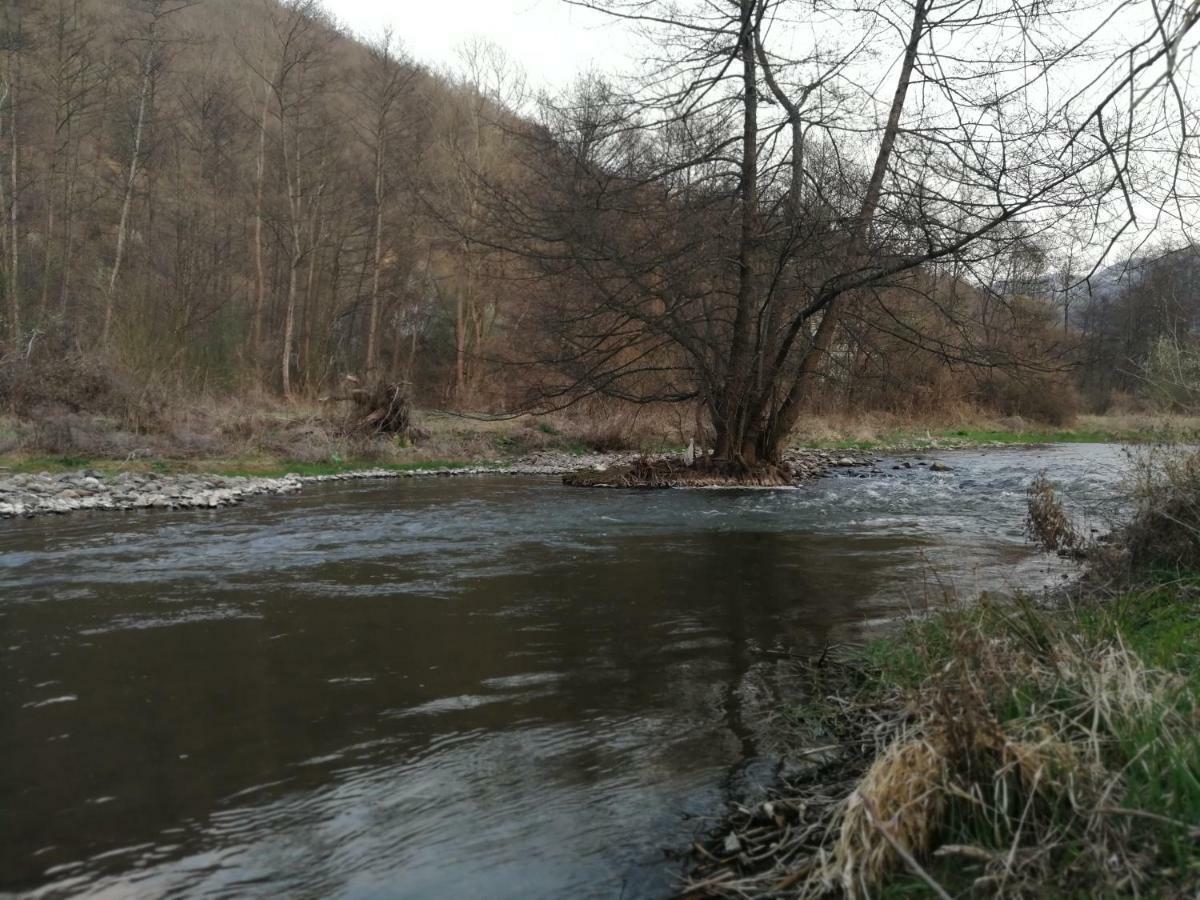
x,y
448,687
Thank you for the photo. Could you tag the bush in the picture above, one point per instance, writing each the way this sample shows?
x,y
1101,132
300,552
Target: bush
x,y
1171,374
45,384
1047,398
1046,520
1164,531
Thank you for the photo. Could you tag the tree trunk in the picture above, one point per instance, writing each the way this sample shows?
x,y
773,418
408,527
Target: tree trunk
x,y
260,278
784,419
14,275
460,347
732,409
127,202
373,322
289,325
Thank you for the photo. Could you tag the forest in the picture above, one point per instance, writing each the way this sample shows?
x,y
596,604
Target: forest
x,y
209,199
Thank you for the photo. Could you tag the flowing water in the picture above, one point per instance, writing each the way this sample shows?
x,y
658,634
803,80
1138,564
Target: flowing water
x,y
474,687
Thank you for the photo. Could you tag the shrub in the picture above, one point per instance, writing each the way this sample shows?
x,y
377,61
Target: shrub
x,y
1047,398
1171,375
49,384
1164,530
1046,521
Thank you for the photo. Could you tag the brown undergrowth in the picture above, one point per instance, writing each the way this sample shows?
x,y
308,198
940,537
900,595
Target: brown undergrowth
x,y
1046,519
1164,530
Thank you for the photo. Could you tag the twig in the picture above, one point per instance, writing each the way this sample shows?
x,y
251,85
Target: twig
x,y
909,860
1144,814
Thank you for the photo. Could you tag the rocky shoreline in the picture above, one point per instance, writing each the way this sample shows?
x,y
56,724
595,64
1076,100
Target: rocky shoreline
x,y
27,495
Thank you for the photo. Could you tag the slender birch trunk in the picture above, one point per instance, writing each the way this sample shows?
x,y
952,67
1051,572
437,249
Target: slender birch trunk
x,y
127,200
373,323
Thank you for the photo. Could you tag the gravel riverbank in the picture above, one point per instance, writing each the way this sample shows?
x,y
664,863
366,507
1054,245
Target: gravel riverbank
x,y
87,489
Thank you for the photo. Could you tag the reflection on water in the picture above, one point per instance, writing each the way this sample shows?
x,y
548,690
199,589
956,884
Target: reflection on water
x,y
430,688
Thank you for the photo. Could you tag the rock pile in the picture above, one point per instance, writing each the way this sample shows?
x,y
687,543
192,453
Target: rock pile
x,y
31,495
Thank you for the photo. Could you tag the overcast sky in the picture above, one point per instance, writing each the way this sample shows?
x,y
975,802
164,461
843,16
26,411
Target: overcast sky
x,y
552,40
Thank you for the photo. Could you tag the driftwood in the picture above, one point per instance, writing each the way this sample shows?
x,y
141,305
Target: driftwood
x,y
379,408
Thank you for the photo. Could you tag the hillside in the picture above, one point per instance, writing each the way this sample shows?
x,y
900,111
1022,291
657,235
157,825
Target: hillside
x,y
200,191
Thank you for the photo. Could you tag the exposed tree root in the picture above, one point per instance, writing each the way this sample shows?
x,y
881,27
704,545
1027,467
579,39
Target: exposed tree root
x,y
674,472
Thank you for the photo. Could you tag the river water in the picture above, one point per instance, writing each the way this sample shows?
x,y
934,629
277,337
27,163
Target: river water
x,y
471,687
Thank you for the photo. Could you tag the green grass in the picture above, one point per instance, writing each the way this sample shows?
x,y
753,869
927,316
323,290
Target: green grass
x,y
55,464
1159,621
966,437
1155,746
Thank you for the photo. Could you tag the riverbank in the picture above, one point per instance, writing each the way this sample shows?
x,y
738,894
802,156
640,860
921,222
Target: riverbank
x,y
890,433
169,476
272,440
117,487
288,451
999,749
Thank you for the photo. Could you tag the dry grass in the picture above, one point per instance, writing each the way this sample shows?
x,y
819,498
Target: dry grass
x,y
256,426
1046,520
1164,530
965,425
1012,747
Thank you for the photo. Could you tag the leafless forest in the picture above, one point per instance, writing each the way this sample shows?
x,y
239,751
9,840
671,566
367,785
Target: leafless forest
x,y
947,206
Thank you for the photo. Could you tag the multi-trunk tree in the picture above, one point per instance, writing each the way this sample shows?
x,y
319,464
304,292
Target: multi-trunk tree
x,y
782,168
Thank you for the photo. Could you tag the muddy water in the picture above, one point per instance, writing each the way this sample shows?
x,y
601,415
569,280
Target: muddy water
x,y
443,688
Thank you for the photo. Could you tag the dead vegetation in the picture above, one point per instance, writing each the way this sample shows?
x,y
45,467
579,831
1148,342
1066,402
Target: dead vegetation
x,y
988,753
1164,530
72,407
380,408
43,384
646,472
1006,750
1046,520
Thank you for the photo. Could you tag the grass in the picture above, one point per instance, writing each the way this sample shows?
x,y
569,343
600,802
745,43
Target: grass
x,y
871,431
264,437
1141,717
994,750
954,438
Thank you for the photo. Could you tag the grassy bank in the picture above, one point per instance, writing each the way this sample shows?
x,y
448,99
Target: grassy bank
x,y
881,432
991,751
267,439
261,467
1066,749
247,439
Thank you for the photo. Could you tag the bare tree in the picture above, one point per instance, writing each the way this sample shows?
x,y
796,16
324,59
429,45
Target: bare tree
x,y
294,79
493,85
15,41
385,80
148,47
68,81
716,266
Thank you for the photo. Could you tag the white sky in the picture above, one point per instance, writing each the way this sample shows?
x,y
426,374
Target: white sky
x,y
551,40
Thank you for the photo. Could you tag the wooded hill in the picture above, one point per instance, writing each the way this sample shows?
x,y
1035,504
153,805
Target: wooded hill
x,y
234,193
232,196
